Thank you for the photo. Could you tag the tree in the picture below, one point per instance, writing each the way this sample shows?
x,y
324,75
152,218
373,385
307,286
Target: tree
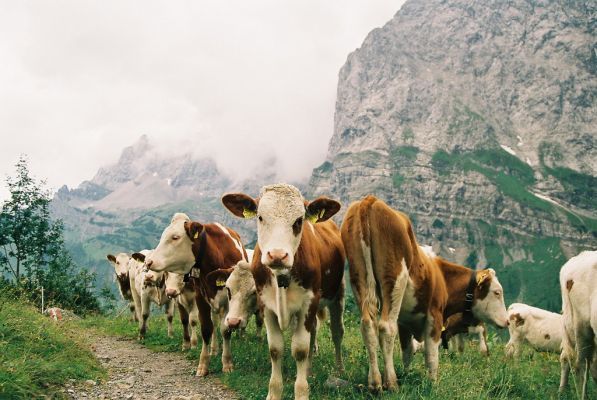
x,y
32,250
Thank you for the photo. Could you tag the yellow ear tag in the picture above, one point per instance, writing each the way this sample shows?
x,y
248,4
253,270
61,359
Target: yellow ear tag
x,y
196,235
481,277
248,214
220,283
443,328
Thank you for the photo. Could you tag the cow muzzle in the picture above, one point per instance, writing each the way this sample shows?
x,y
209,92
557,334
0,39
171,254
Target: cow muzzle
x,y
171,293
233,323
277,258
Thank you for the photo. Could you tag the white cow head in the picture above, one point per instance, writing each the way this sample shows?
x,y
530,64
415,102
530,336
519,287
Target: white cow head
x,y
175,250
489,299
120,263
242,296
174,284
148,277
280,211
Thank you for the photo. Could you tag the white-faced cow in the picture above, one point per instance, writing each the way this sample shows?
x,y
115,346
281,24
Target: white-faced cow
x,y
541,329
150,288
120,262
578,282
298,269
189,247
183,292
393,277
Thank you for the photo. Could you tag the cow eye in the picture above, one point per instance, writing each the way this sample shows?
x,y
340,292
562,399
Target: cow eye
x,y
175,237
497,293
260,218
298,224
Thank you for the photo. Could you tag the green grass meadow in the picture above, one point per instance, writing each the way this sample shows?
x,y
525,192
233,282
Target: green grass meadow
x,y
37,355
461,376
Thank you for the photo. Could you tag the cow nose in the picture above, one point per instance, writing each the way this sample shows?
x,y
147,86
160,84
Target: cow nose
x,y
171,293
122,274
233,323
148,277
277,255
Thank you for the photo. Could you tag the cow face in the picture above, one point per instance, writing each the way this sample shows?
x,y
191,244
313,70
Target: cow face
x,y
489,294
280,211
174,253
148,277
174,284
120,263
242,296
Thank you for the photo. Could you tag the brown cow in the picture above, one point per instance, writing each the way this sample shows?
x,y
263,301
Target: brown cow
x,y
298,267
204,248
387,266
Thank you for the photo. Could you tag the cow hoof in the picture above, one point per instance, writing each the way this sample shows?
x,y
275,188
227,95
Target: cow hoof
x,y
202,371
186,346
375,387
227,368
392,387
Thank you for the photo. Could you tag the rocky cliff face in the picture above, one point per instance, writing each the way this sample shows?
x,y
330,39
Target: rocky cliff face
x,y
477,118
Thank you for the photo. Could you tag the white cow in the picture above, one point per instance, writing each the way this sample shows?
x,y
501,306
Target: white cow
x,y
578,282
120,262
539,328
183,294
149,287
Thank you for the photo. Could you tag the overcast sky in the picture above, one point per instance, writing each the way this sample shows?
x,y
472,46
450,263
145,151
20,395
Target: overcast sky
x,y
80,80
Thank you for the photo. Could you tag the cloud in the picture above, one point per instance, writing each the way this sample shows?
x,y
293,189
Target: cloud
x,y
239,80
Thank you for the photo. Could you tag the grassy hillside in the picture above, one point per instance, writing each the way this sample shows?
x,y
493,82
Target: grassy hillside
x,y
38,355
467,376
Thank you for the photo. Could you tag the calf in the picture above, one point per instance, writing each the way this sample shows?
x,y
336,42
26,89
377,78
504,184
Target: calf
x,y
578,282
120,263
150,287
298,268
539,328
387,266
184,294
188,247
456,326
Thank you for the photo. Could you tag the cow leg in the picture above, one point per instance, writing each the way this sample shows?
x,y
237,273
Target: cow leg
x,y
513,345
564,369
184,320
145,307
301,339
170,316
433,328
214,338
459,338
275,342
227,364
407,345
207,329
258,321
194,319
483,341
136,301
133,311
337,327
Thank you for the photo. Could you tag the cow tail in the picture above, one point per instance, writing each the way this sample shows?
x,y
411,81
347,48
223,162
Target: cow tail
x,y
371,300
567,346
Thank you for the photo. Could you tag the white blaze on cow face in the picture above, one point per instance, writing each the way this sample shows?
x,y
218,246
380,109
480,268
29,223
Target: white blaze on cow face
x,y
120,263
491,308
174,284
242,296
174,253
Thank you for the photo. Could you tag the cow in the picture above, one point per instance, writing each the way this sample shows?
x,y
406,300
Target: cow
x,y
578,282
150,288
456,326
391,275
183,292
120,262
298,268
541,329
190,247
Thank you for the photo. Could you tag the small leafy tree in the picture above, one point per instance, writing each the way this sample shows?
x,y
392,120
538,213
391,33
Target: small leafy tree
x,y
32,250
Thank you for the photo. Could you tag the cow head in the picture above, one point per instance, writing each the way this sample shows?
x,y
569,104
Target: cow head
x,y
242,296
174,284
489,299
281,212
120,264
174,253
148,277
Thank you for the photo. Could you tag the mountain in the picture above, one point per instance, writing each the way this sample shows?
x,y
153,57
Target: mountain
x,y
477,119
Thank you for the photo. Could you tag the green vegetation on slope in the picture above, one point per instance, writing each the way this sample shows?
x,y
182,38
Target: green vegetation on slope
x,y
38,355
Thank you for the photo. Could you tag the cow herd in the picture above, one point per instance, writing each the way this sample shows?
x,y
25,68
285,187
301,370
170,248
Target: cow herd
x,y
295,276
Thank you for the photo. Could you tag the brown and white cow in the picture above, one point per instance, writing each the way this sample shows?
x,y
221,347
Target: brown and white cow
x,y
183,292
578,282
541,329
187,245
298,268
120,262
391,275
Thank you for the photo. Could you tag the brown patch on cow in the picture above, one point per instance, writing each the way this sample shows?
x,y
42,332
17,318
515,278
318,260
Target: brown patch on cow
x,y
300,355
274,354
546,336
297,227
517,319
569,284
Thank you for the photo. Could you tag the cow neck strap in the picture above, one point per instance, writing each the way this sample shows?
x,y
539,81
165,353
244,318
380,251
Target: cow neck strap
x,y
469,297
200,255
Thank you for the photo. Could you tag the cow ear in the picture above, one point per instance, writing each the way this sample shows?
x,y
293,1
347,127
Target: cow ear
x,y
484,276
140,257
111,258
193,229
321,209
240,204
218,277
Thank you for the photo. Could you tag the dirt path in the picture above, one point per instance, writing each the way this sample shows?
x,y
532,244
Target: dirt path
x,y
136,373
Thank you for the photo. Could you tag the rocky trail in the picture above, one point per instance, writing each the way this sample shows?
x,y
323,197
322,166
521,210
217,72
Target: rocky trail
x,y
136,373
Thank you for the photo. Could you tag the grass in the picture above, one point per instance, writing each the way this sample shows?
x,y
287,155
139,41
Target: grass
x,y
467,376
38,355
